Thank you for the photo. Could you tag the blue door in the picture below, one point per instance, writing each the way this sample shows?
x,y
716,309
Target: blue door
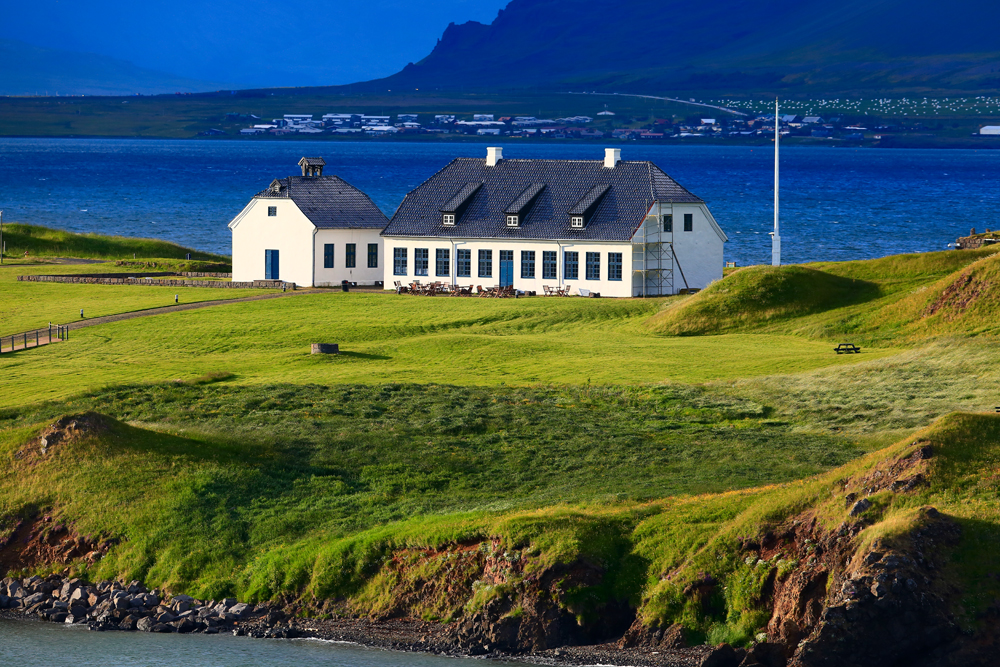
x,y
271,265
506,268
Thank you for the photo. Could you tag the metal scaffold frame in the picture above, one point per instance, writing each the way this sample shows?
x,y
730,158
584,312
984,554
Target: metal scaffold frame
x,y
653,254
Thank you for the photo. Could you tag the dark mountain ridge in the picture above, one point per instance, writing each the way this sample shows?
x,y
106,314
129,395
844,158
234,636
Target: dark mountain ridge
x,y
873,45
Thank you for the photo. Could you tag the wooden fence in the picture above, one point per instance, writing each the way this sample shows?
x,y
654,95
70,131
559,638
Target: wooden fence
x,y
34,338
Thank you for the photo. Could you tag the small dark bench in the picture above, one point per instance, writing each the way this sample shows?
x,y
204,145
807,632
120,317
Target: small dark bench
x,y
847,348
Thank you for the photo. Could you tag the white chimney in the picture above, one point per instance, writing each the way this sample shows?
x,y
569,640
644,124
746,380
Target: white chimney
x,y
493,155
612,156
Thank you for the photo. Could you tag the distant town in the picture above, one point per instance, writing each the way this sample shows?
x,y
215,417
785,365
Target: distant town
x,y
604,125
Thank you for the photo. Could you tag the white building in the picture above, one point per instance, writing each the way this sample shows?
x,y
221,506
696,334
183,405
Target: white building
x,y
991,130
618,228
312,230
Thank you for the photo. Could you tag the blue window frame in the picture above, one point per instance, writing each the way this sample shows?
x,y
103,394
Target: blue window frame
x,y
372,255
485,263
442,261
614,266
571,268
271,271
327,255
550,265
351,255
421,257
399,261
527,263
463,263
593,266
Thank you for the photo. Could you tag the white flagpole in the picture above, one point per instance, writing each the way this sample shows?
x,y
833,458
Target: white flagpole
x,y
775,235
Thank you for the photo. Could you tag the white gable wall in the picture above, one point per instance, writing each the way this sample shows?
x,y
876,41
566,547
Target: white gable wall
x,y
361,273
697,257
289,232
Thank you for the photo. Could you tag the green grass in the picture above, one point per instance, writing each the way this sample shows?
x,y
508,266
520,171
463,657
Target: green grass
x,y
565,429
47,242
29,305
388,338
270,465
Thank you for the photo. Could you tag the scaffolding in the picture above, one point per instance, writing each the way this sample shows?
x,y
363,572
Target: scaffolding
x,y
653,257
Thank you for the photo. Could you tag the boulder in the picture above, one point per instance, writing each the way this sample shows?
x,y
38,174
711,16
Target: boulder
x,y
73,618
121,602
722,655
32,600
241,610
162,627
184,625
129,623
180,606
59,617
4,601
15,590
183,598
80,595
135,588
145,624
165,617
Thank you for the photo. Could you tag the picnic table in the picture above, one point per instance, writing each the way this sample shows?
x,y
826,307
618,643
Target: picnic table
x,y
847,348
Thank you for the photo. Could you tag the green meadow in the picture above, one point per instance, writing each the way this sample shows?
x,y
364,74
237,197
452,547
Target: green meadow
x,y
649,436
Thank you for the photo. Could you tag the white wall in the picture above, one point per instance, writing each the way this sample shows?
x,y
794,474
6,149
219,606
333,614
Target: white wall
x,y
697,255
361,274
289,232
619,288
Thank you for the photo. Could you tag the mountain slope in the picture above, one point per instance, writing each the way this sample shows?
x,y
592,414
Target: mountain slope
x,y
730,45
34,70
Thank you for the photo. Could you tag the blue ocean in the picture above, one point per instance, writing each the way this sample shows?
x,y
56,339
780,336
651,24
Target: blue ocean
x,y
836,204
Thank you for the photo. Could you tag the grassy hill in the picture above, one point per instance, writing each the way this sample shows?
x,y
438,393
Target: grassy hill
x,y
40,241
704,455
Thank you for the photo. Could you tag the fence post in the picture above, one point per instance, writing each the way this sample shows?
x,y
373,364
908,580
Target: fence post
x,y
25,344
36,337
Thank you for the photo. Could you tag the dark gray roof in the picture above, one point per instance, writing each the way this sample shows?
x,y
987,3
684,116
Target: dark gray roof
x,y
613,201
328,201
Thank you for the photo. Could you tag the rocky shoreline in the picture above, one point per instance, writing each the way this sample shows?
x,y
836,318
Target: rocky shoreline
x,y
132,607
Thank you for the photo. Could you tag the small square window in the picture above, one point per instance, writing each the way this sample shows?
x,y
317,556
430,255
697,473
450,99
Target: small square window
x,y
272,211
448,219
512,221
576,221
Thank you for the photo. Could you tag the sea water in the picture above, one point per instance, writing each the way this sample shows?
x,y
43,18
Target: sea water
x,y
836,204
30,643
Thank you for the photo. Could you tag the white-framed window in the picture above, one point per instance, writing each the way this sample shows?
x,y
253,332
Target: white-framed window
x,y
512,221
448,219
576,221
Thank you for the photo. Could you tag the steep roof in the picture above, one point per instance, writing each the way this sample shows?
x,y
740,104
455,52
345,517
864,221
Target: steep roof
x,y
328,201
615,200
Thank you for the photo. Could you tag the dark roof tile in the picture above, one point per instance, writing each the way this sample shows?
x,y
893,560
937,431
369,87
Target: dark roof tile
x,y
619,198
329,202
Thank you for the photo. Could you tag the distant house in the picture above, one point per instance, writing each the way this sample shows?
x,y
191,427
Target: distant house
x,y
811,120
618,228
990,130
482,116
313,230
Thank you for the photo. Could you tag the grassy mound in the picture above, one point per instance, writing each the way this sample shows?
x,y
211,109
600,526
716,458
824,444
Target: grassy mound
x,y
761,295
315,493
47,242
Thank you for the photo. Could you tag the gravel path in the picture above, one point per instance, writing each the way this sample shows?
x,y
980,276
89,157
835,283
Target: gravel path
x,y
94,321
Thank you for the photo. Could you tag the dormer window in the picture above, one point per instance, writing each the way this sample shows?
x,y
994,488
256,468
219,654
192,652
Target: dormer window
x,y
576,222
448,219
512,221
